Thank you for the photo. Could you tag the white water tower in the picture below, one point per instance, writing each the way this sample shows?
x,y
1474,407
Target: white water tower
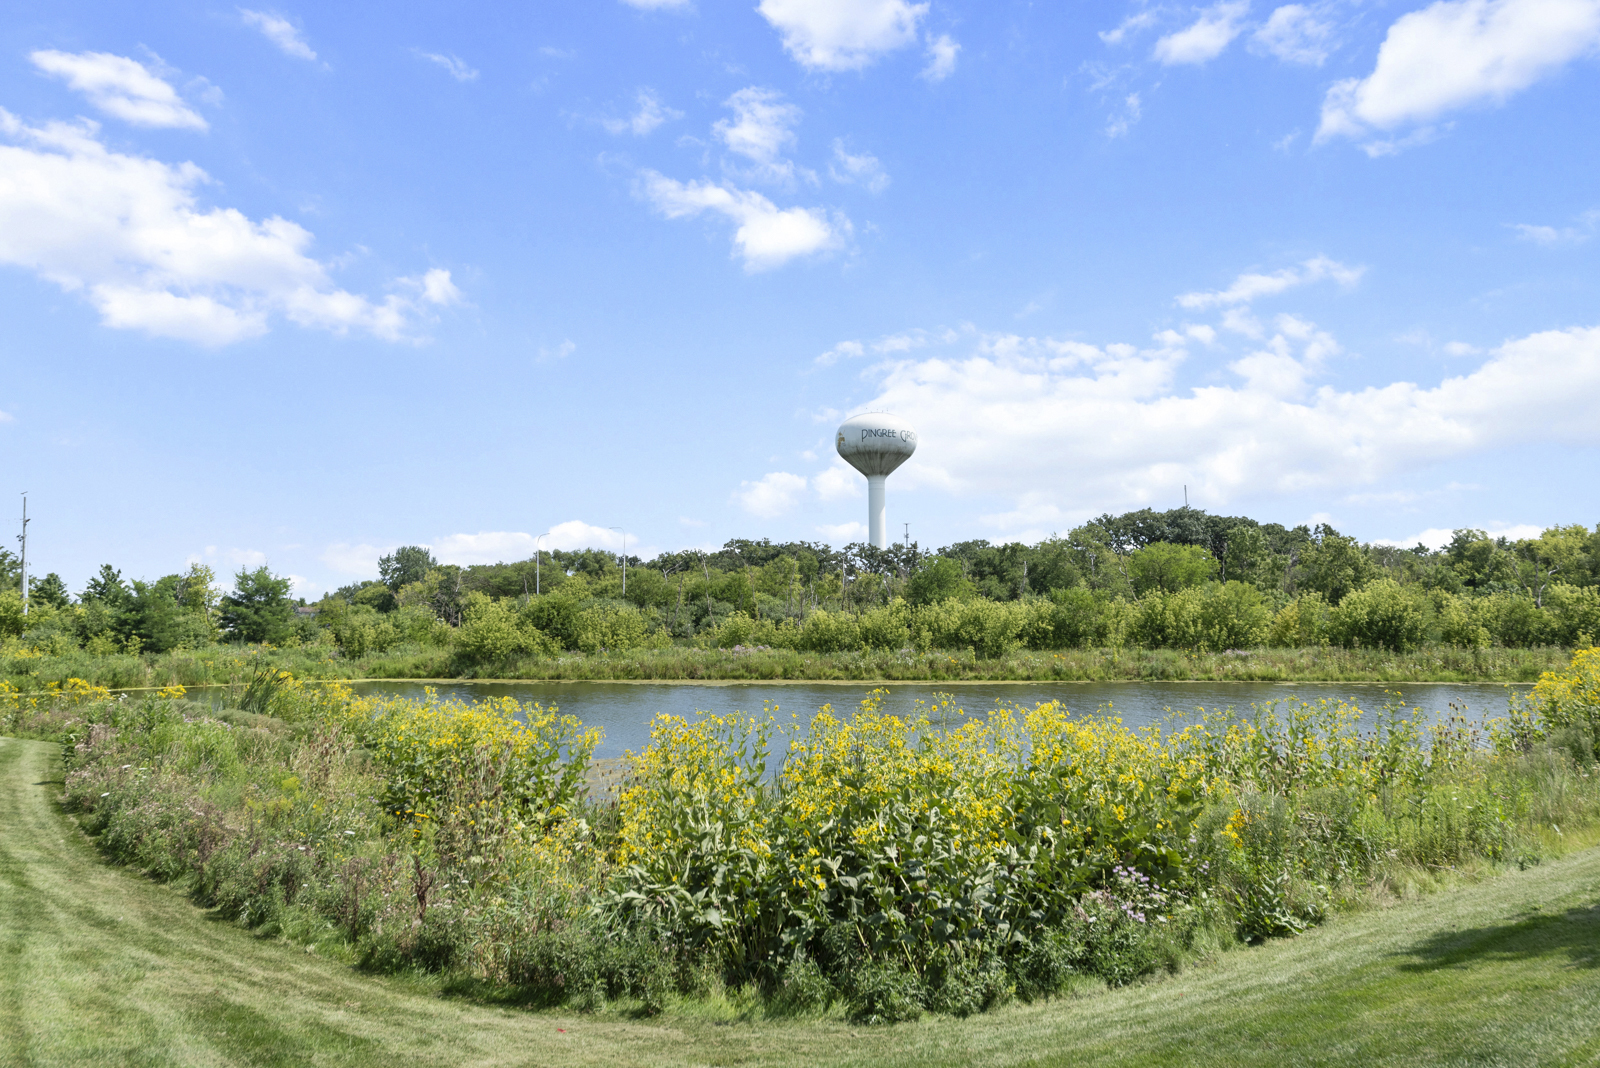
x,y
875,444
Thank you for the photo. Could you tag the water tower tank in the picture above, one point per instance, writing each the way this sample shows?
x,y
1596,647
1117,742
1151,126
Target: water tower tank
x,y
875,444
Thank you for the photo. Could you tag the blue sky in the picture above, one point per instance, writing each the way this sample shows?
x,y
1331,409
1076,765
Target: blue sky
x,y
299,284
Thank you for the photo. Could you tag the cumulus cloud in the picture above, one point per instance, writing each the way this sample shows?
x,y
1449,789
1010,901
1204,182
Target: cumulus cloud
x,y
888,345
770,495
843,533
649,114
857,169
355,559
1437,538
280,31
767,236
1551,236
1295,34
453,64
1066,428
120,87
761,128
942,52
1456,53
837,35
495,546
1122,121
1249,287
129,234
230,558
1205,39
1133,24
838,483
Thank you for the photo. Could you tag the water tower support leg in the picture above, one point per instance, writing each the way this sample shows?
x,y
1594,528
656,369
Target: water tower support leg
x,y
877,520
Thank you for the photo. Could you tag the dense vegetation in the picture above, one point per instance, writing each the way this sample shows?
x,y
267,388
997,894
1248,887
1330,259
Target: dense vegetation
x,y
892,867
1180,580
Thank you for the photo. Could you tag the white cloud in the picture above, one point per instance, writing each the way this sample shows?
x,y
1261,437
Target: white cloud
x,y
842,34
761,128
233,559
1295,34
1455,53
1204,41
360,559
280,31
457,69
838,483
560,352
1084,429
1139,20
1551,236
7,417
888,345
1249,287
843,533
863,169
771,495
1437,538
767,236
128,233
651,113
1119,124
495,546
942,52
121,87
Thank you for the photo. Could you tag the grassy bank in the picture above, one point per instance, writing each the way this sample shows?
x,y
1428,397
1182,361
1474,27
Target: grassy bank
x,y
101,967
232,665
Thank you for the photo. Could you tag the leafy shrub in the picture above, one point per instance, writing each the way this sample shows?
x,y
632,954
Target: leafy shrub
x,y
491,631
1302,622
1381,615
883,993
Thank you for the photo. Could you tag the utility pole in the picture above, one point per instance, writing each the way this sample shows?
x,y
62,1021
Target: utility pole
x,y
23,538
546,534
908,535
624,534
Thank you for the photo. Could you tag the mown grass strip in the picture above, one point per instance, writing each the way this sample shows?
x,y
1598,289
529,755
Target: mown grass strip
x,y
101,967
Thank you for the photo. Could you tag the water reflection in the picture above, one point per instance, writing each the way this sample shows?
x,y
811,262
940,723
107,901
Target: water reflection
x,y
624,710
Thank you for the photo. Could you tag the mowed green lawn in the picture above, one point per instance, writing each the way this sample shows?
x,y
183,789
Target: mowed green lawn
x,y
101,967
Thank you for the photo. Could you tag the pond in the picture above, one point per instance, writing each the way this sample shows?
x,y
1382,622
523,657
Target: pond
x,y
624,710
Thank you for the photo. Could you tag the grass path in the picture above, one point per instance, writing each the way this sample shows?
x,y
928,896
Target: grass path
x,y
101,967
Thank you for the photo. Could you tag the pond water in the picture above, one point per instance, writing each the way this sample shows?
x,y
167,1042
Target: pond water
x,y
624,710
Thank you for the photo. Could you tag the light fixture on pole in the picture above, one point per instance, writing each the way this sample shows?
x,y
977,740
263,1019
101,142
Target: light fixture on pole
x,y
23,538
624,534
546,534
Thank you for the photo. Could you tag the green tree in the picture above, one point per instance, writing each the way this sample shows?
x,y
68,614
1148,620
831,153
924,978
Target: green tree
x,y
50,590
1249,558
107,588
258,609
1168,567
197,590
407,564
1382,615
1335,565
159,621
939,579
10,571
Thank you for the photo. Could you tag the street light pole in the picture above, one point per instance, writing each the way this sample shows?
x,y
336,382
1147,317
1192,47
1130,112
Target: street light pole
x,y
546,534
23,538
624,534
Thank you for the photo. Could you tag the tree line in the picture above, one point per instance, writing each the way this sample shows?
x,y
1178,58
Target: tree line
x,y
1181,577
